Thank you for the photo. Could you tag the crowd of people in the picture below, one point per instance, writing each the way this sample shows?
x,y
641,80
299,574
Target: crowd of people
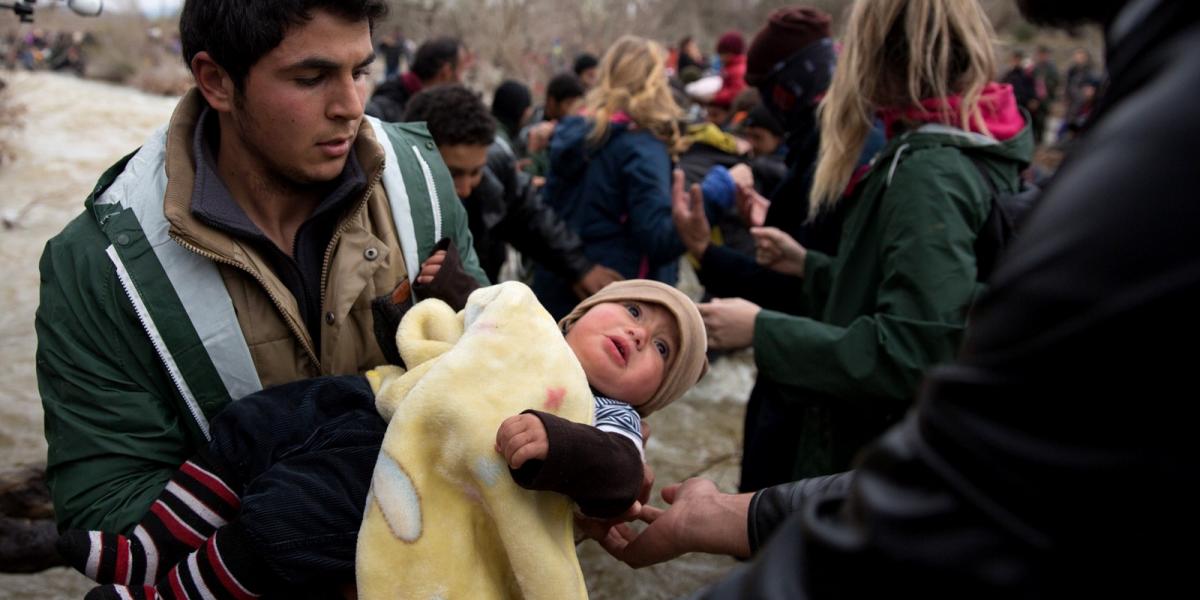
x,y
38,49
1040,87
922,421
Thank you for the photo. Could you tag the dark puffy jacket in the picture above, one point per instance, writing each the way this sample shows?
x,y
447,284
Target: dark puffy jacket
x,y
617,197
1056,457
390,99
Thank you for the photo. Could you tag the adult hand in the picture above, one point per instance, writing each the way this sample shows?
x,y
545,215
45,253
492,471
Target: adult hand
x,y
778,251
751,206
700,518
742,175
687,210
729,322
431,266
521,438
743,146
539,136
595,280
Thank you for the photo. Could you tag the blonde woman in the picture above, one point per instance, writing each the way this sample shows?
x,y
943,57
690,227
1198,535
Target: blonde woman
x,y
610,172
894,300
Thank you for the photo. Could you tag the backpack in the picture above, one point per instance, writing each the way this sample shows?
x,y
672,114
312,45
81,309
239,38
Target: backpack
x,y
1007,214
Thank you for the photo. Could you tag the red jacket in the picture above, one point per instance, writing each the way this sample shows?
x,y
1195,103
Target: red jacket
x,y
733,80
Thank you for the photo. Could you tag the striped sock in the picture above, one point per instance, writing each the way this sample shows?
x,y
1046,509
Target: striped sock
x,y
222,569
193,505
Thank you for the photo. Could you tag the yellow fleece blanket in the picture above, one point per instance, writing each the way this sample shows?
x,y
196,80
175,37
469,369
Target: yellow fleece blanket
x,y
444,518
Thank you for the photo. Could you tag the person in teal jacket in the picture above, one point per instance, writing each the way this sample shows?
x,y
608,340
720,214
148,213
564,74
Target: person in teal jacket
x,y
894,299
241,247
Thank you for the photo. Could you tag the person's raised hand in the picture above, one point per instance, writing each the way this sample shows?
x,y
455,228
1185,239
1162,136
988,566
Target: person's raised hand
x,y
687,210
742,175
539,136
778,251
751,206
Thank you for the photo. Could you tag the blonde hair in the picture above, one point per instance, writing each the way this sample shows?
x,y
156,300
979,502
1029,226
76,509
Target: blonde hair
x,y
633,80
896,53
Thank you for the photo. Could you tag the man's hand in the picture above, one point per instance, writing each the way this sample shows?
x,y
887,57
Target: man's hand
x,y
729,322
742,174
431,266
522,438
700,518
778,251
539,136
751,206
688,214
595,280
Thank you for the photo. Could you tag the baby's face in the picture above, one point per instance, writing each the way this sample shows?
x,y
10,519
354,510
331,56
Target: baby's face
x,y
623,348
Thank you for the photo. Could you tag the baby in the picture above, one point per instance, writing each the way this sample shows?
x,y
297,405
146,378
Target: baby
x,y
641,344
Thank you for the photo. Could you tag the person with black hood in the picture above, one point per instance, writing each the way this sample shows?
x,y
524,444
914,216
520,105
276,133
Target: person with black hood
x,y
512,105
777,64
496,214
1055,458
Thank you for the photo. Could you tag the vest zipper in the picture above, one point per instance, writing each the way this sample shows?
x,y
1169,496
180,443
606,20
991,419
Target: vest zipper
x,y
308,349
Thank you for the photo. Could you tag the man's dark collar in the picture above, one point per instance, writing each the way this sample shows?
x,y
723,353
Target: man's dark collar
x,y
212,202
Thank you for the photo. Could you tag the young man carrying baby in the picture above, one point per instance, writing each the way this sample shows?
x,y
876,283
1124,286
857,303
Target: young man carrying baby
x,y
641,345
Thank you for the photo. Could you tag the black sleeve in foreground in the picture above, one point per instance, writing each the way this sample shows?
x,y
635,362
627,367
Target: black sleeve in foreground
x,y
600,471
770,507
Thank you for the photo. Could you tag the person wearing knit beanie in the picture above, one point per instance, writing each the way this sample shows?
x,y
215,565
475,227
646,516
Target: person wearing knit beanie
x,y
788,30
791,62
732,49
731,42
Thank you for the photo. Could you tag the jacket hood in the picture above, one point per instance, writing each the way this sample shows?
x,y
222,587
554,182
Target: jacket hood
x,y
997,105
1018,148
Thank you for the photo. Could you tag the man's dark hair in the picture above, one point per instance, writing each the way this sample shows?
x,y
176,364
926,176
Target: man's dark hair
x,y
432,54
584,62
509,103
237,33
564,86
454,115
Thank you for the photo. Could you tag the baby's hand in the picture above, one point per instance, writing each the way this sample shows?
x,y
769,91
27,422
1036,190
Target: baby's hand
x,y
431,266
521,438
